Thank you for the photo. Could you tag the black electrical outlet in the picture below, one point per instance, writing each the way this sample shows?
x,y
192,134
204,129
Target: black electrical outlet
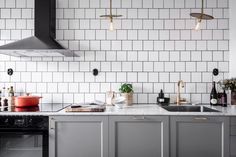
x,y
95,72
215,72
10,71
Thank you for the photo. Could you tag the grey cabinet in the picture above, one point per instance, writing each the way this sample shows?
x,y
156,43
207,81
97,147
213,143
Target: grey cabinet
x,y
138,136
78,136
233,137
199,136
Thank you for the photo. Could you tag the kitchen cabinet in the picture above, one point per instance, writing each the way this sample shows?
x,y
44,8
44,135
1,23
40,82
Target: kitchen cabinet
x,y
194,136
232,137
78,136
138,136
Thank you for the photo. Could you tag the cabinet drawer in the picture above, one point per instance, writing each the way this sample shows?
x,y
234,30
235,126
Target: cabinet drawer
x,y
233,120
233,130
233,146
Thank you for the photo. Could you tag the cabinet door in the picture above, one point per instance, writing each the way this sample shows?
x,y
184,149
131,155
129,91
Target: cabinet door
x,y
138,136
199,136
78,136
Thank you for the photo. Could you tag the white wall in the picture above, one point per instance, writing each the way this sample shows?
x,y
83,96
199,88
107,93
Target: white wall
x,y
232,24
153,47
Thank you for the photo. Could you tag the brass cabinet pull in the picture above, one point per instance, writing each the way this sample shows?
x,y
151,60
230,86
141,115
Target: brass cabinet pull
x,y
139,118
200,118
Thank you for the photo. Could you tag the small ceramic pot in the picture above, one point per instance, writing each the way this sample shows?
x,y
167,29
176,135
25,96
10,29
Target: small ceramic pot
x,y
27,101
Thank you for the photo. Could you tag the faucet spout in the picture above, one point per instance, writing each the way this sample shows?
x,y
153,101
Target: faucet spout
x,y
178,99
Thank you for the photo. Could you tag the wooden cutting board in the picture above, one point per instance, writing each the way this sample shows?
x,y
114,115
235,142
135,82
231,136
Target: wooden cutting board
x,y
89,108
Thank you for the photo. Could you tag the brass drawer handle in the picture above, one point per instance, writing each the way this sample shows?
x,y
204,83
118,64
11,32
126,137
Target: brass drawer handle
x,y
139,118
200,118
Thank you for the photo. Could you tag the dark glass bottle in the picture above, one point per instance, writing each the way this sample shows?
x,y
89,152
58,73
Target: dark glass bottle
x,y
213,96
224,99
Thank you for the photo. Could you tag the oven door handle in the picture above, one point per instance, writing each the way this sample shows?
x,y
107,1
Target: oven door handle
x,y
24,132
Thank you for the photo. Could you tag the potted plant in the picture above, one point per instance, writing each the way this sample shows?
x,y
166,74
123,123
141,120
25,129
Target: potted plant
x,y
127,92
229,84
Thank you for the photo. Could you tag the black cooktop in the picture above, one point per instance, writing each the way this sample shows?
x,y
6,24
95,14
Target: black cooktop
x,y
40,108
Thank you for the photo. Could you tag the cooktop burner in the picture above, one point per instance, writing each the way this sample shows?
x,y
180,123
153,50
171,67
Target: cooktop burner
x,y
40,108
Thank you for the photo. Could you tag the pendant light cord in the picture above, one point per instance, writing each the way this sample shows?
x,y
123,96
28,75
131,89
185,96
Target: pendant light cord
x,y
111,18
202,7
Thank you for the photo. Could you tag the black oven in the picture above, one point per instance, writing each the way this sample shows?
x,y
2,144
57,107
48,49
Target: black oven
x,y
24,136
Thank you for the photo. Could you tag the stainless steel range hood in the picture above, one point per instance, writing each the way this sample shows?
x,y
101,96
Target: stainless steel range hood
x,y
43,42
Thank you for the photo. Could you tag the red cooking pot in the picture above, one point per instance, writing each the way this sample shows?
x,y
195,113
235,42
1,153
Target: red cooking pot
x,y
26,101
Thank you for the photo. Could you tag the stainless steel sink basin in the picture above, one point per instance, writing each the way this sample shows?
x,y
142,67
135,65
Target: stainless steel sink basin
x,y
189,109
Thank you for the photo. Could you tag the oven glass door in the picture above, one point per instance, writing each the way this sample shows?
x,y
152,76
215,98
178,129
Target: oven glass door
x,y
22,144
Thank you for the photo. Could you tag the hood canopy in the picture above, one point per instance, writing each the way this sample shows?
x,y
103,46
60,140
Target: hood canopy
x,y
43,42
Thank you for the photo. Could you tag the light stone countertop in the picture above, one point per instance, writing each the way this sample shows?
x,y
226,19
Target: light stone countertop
x,y
137,109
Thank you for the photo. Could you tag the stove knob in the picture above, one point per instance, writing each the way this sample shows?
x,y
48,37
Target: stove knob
x,y
6,121
30,121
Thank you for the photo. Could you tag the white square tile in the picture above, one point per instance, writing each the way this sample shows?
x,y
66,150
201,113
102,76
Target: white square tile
x,y
36,77
142,77
190,66
57,77
158,24
169,66
137,66
164,14
83,87
132,77
169,45
148,66
158,45
168,3
190,45
201,66
94,87
105,66
180,45
143,13
111,55
185,76
127,66
69,13
127,45
121,77
73,3
179,3
180,66
148,45
142,98
136,3
111,77
164,77
158,66
116,66
169,24
174,77
169,87
137,45
20,3
47,77
68,77
84,4
196,77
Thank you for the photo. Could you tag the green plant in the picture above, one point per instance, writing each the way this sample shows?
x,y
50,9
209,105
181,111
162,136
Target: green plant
x,y
126,88
228,84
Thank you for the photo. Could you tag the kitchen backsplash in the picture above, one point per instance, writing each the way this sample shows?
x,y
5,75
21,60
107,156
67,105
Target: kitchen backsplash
x,y
153,47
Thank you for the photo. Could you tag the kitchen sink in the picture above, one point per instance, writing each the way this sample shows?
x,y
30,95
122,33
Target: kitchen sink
x,y
189,109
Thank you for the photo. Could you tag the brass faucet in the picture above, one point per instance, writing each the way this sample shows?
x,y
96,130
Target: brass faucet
x,y
178,99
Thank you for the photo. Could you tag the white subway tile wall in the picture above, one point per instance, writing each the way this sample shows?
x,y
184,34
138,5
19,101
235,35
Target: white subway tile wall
x,y
153,47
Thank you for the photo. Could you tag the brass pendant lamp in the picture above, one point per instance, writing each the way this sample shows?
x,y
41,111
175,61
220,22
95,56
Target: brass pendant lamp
x,y
111,17
201,16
